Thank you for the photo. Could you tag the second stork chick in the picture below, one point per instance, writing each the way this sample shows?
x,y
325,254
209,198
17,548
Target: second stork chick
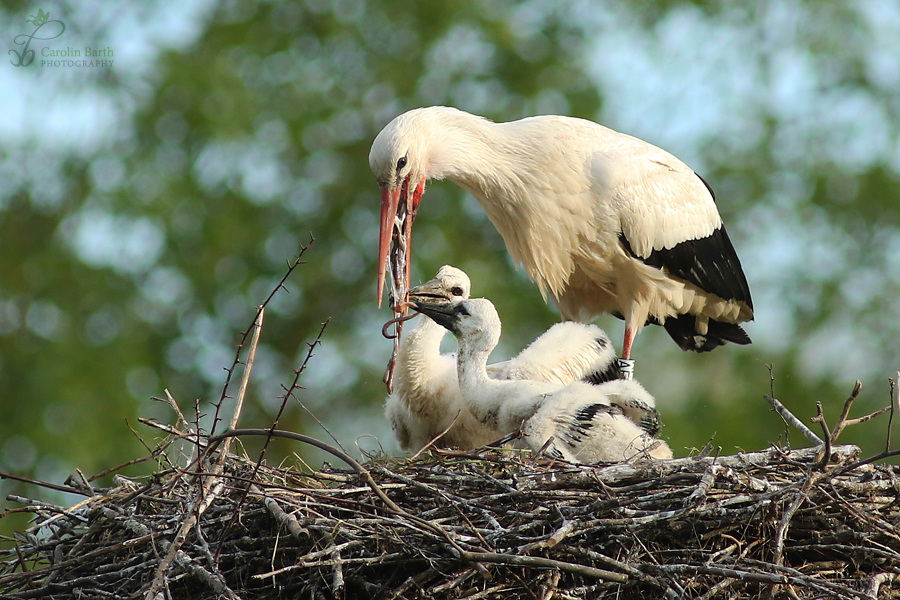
x,y
577,422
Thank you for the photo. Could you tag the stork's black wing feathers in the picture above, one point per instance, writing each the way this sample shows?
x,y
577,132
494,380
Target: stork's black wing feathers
x,y
710,263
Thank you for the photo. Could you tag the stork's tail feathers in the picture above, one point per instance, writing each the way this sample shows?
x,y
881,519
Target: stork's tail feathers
x,y
683,330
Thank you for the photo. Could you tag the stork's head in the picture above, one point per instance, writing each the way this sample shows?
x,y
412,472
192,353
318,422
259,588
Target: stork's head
x,y
474,320
449,284
403,158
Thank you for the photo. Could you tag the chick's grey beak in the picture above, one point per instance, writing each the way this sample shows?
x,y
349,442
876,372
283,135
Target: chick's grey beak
x,y
442,314
430,291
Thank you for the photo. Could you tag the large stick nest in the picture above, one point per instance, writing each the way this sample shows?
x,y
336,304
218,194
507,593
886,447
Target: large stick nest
x,y
810,523
492,524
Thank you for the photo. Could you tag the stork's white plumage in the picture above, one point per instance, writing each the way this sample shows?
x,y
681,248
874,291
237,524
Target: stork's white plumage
x,y
582,420
426,400
601,221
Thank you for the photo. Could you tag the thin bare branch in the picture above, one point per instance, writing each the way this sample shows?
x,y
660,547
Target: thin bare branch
x,y
820,419
788,416
240,347
842,420
895,406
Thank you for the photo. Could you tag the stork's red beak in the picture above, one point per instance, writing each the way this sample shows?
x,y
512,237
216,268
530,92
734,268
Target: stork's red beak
x,y
390,202
398,211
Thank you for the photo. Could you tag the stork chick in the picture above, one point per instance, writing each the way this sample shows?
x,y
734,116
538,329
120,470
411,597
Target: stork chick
x,y
427,402
578,421
602,221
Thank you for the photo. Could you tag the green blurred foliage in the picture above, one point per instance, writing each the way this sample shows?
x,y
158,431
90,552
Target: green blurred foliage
x,y
134,268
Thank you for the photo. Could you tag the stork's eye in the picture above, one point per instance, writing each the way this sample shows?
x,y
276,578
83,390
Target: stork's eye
x,y
401,163
456,291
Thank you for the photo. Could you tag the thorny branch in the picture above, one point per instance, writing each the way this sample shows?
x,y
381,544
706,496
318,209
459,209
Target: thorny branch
x,y
240,347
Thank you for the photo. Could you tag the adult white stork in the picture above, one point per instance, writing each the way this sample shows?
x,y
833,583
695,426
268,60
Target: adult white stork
x,y
577,422
601,221
426,401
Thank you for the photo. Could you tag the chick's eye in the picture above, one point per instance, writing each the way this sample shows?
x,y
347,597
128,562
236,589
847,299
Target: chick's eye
x,y
401,163
457,291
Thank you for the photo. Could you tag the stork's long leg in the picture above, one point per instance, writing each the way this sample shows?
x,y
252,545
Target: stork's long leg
x,y
626,345
626,364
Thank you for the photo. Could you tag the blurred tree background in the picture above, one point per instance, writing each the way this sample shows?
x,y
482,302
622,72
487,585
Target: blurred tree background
x,y
146,208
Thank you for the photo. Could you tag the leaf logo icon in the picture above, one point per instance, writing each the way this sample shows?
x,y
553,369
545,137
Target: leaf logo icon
x,y
40,19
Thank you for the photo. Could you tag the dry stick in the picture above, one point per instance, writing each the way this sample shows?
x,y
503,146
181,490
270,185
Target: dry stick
x,y
843,421
337,582
718,588
820,419
210,487
437,437
888,453
564,530
80,560
839,426
240,347
284,518
876,582
449,585
44,484
549,589
136,461
299,437
727,582
160,449
598,557
190,436
895,400
743,575
68,512
245,381
886,528
790,418
543,563
82,482
416,580
170,401
862,419
707,481
451,499
785,522
295,385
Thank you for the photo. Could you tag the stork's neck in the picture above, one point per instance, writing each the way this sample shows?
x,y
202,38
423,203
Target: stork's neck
x,y
500,404
419,356
520,172
472,360
473,153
